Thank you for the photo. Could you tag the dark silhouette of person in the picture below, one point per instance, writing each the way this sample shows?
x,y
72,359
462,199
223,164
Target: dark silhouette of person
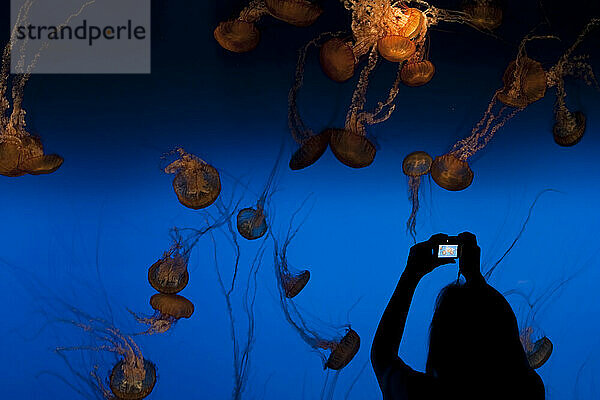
x,y
474,346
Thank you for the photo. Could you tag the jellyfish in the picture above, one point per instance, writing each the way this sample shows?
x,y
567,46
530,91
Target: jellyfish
x,y
243,339
132,376
342,342
415,165
20,151
522,86
417,71
252,221
485,14
169,308
197,184
570,125
169,275
241,35
537,345
337,59
312,146
295,12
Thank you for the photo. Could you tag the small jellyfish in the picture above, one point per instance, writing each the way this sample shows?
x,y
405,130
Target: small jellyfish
x,y
396,48
485,14
169,308
417,72
351,148
342,341
569,127
415,165
337,59
237,36
295,12
170,275
132,377
252,221
197,184
342,351
524,83
311,149
241,35
538,351
451,173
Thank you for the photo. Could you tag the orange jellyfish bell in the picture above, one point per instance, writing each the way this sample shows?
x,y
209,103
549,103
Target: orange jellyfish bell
x,y
351,149
569,128
124,387
523,84
417,73
451,173
237,36
485,14
197,184
396,48
344,352
295,12
20,156
541,352
293,284
169,275
416,23
172,305
416,164
337,60
310,151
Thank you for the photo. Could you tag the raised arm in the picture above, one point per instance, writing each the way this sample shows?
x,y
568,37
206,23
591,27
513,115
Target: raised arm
x,y
384,352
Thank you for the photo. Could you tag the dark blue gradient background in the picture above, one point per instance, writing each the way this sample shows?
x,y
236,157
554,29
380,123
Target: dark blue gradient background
x,y
110,198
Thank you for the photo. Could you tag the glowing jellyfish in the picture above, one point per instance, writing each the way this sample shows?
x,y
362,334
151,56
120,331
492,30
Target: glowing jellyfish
x,y
452,171
295,12
170,275
341,341
485,14
20,152
252,221
197,184
396,48
169,308
415,165
417,71
132,377
570,126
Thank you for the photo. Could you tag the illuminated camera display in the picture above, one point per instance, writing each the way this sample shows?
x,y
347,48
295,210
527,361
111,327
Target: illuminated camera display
x,y
448,251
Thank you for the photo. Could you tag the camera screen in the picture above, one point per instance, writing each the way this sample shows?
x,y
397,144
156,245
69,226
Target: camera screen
x,y
448,251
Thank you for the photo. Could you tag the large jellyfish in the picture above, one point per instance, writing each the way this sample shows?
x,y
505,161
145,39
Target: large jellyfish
x,y
20,151
342,342
240,35
570,125
415,165
197,184
252,221
168,309
132,376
